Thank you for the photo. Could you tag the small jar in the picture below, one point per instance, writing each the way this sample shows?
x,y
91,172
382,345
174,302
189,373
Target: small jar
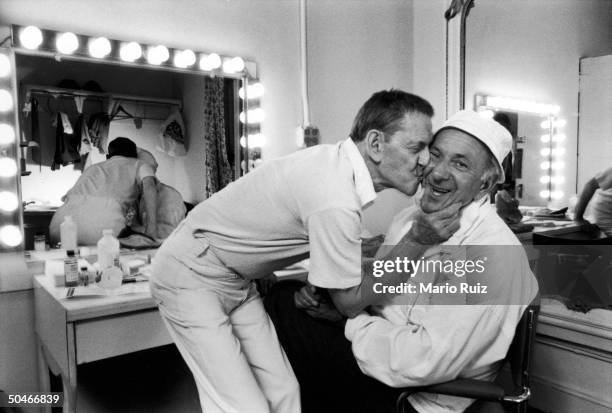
x,y
40,242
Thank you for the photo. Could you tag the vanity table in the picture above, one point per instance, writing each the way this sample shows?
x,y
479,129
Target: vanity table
x,y
572,362
73,331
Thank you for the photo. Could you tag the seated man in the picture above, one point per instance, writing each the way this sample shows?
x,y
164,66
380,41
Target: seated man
x,y
417,340
170,209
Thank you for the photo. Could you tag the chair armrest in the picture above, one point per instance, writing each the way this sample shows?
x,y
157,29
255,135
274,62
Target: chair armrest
x,y
473,389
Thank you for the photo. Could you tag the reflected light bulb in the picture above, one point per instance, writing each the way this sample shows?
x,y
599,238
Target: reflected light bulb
x,y
559,137
545,151
6,100
545,165
545,179
130,52
7,134
31,37
157,55
11,235
99,47
545,138
8,201
67,43
5,65
544,194
8,167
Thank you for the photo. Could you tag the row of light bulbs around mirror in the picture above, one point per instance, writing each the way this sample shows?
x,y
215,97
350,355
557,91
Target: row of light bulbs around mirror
x,y
551,157
10,234
68,43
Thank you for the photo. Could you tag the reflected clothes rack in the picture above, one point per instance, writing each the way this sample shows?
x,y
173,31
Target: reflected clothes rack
x,y
112,98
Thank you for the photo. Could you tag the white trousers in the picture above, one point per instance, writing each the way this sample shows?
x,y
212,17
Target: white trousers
x,y
221,329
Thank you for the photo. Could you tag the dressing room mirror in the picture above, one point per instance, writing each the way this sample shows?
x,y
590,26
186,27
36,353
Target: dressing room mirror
x,y
163,108
530,52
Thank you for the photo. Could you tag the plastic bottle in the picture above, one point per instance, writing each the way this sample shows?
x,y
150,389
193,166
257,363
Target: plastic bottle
x,y
68,234
108,250
71,269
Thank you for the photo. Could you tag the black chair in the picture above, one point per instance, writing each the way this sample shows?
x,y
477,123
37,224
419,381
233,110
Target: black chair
x,y
492,397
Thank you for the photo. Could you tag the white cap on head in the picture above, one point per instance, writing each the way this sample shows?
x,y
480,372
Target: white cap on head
x,y
493,135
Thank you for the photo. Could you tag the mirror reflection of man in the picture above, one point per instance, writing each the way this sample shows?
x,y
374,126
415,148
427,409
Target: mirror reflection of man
x,y
306,204
408,343
105,192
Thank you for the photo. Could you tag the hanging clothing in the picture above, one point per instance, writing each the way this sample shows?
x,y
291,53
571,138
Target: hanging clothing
x,y
172,135
98,130
66,143
83,133
218,169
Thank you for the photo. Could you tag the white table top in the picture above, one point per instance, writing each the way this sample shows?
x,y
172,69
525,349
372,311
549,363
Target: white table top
x,y
129,297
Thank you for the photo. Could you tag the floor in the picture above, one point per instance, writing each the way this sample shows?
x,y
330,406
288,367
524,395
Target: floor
x,y
151,381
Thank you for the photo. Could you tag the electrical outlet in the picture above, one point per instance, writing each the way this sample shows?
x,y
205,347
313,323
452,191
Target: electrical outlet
x,y
311,136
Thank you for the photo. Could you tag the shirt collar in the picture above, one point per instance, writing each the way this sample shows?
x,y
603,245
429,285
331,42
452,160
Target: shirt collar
x,y
363,181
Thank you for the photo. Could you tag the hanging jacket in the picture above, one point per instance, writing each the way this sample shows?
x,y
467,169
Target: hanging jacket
x,y
66,144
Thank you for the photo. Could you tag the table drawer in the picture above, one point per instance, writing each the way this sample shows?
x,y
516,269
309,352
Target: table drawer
x,y
113,336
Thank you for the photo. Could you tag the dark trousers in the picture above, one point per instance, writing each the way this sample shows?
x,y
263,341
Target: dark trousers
x,y
321,357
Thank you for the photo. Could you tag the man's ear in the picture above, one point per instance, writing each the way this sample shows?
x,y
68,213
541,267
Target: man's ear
x,y
487,185
374,145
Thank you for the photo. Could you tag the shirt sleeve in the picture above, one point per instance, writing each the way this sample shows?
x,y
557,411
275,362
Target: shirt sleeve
x,y
144,170
335,248
604,179
437,348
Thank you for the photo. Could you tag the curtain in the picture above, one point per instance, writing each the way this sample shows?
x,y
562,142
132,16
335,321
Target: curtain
x,y
218,169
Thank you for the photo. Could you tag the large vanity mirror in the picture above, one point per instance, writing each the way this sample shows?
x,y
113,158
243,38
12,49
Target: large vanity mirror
x,y
530,53
187,108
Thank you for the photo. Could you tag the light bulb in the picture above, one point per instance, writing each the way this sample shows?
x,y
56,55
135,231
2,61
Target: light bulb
x,y
184,58
545,138
556,194
130,52
545,165
7,134
234,65
256,115
8,167
545,151
5,65
31,37
545,179
210,62
67,43
560,137
6,100
11,235
99,47
544,194
558,151
8,201
256,140
254,91
559,179
156,55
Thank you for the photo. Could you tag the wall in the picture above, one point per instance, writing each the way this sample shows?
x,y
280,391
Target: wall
x,y
355,48
530,50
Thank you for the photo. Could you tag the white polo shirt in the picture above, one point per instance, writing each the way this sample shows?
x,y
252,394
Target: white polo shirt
x,y
307,203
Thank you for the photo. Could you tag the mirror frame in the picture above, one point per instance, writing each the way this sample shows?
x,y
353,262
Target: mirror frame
x,y
11,220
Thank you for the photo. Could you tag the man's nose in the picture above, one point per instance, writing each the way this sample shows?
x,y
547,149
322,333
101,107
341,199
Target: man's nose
x,y
423,157
439,171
